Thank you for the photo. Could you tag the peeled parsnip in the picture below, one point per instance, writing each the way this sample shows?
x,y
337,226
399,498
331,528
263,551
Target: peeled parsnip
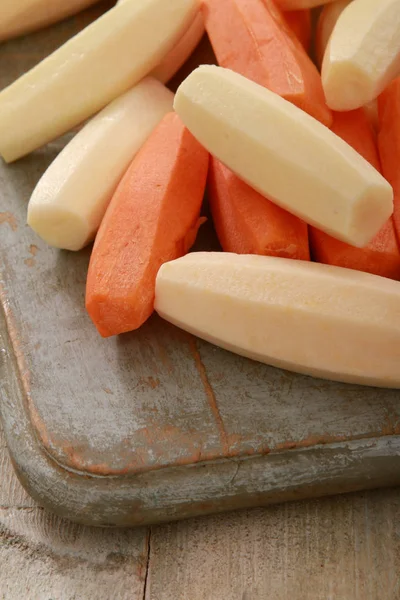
x,y
309,318
285,154
179,54
326,23
363,53
89,71
69,202
18,17
182,50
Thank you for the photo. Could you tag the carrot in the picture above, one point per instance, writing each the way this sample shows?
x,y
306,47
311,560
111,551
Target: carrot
x,y
299,22
389,142
253,38
153,218
382,255
248,223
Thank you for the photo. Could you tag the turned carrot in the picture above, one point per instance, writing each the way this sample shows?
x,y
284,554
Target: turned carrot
x,y
382,255
299,22
248,223
153,217
389,142
253,38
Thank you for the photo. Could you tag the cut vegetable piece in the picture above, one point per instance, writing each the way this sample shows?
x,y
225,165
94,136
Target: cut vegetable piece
x,y
22,16
299,4
252,38
177,57
69,202
310,318
326,23
363,53
285,154
180,53
89,71
299,22
389,143
152,218
248,223
381,256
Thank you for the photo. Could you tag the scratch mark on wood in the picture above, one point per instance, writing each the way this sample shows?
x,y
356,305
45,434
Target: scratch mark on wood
x,y
146,577
8,217
209,393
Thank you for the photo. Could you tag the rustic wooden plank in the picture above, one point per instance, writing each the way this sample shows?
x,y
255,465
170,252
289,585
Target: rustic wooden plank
x,y
43,556
339,548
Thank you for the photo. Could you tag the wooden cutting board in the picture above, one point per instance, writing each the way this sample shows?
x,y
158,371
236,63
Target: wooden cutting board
x,y
156,425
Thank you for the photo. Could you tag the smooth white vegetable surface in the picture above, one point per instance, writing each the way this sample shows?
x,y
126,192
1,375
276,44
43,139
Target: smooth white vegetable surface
x,y
363,53
285,154
69,202
89,71
310,318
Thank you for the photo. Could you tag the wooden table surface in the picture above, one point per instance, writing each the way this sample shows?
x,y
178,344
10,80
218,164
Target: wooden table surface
x,y
341,548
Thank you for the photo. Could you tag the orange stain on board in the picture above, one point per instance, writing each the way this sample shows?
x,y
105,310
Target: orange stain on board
x,y
7,217
30,262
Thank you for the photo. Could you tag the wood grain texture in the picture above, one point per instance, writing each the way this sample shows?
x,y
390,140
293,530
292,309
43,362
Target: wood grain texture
x,y
345,548
43,557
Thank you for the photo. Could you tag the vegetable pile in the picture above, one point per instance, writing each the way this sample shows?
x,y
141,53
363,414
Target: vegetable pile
x,y
295,135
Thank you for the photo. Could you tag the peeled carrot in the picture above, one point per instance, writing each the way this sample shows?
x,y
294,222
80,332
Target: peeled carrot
x,y
248,223
253,38
389,143
382,255
153,218
299,22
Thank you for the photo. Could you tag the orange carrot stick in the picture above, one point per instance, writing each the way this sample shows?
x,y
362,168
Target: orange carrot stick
x,y
299,22
389,142
153,218
248,223
382,255
253,38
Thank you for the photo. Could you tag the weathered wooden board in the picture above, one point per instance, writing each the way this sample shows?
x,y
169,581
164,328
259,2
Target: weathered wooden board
x,y
156,425
345,547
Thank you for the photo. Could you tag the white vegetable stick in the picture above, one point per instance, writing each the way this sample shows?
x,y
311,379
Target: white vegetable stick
x,y
94,67
179,54
69,202
285,154
326,23
22,16
306,317
177,57
363,53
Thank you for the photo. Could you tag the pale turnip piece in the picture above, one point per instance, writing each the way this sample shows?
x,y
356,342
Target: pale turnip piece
x,y
306,317
100,63
69,202
285,154
363,53
326,23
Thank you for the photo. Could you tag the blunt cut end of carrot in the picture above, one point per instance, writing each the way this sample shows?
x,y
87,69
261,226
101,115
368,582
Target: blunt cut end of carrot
x,y
253,38
153,218
382,255
248,223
